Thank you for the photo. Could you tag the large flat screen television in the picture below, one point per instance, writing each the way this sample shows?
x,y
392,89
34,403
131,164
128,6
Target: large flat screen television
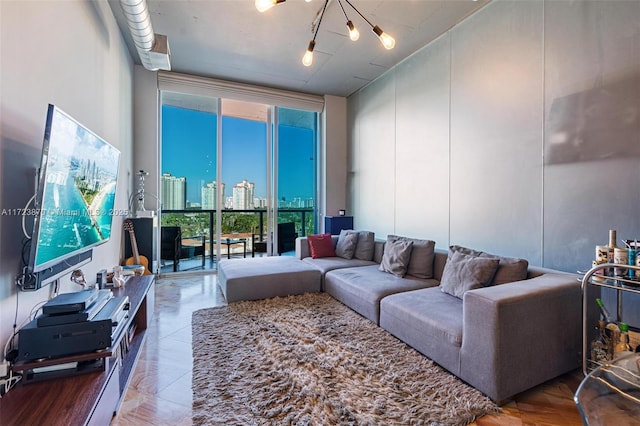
x,y
74,202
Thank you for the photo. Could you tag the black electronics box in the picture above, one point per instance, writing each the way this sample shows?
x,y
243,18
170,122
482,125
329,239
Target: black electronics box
x,y
70,302
61,340
102,298
73,338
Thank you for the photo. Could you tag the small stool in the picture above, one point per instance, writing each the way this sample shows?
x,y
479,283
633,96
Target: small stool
x,y
266,277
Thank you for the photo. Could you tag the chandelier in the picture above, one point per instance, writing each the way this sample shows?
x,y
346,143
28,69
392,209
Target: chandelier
x,y
387,41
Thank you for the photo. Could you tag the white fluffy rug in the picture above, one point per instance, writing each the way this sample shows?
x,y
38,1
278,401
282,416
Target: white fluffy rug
x,y
309,360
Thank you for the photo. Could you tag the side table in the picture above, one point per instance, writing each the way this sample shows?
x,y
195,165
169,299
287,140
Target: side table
x,y
234,241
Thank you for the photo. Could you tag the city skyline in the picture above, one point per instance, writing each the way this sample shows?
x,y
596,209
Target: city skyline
x,y
173,189
189,152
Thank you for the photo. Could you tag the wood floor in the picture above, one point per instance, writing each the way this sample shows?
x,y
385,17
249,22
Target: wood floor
x,y
160,389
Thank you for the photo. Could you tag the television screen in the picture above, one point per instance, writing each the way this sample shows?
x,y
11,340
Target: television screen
x,y
76,192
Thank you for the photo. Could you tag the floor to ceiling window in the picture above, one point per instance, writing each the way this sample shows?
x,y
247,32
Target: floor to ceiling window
x,y
227,196
296,168
244,172
188,181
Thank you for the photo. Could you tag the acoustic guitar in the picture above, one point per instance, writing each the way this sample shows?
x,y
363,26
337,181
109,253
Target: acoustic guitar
x,y
137,258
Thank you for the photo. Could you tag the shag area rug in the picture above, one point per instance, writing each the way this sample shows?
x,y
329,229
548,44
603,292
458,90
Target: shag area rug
x,y
309,360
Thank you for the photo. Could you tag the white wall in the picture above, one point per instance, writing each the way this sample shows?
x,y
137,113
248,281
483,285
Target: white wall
x,y
71,54
516,132
146,152
334,159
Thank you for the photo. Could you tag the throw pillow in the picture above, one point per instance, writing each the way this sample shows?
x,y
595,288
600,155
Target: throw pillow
x,y
510,269
366,245
395,258
464,272
346,245
321,245
422,255
464,250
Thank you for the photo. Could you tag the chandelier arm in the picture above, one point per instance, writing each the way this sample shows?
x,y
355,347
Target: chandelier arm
x,y
320,20
343,11
358,12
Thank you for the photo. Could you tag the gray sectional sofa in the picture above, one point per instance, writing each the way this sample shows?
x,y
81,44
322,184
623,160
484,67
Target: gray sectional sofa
x,y
501,339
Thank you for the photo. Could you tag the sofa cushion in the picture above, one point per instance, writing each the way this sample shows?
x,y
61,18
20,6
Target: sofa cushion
x,y
366,245
510,269
362,288
326,264
321,245
397,254
428,320
465,272
422,254
346,245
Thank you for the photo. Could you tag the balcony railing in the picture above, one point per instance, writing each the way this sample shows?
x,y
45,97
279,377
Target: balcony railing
x,y
236,224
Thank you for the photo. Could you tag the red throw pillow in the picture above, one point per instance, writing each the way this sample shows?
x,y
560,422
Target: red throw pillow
x,y
321,245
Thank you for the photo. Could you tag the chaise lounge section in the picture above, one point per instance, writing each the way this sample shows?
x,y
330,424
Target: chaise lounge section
x,y
265,277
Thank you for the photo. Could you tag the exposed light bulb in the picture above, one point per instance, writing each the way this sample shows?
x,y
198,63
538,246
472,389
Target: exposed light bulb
x,y
264,5
387,41
354,34
307,59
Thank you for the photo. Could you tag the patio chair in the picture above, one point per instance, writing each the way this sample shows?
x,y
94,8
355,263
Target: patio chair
x,y
173,247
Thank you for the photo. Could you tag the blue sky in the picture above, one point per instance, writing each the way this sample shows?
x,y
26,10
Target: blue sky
x,y
188,149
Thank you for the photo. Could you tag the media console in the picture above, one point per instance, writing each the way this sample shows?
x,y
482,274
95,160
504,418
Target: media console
x,y
88,398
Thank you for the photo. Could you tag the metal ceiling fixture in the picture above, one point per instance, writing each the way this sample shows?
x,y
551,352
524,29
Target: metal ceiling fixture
x,y
152,48
387,41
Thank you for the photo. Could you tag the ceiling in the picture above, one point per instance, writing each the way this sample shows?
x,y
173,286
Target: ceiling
x,y
231,40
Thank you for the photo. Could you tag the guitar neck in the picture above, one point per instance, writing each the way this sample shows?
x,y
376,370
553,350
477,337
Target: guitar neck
x,y
134,247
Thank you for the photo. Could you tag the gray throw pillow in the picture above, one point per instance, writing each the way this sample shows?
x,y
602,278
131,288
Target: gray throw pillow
x,y
366,245
510,269
464,272
395,259
422,255
346,245
463,250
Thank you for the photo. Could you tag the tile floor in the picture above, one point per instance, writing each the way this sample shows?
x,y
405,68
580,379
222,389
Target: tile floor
x,y
160,388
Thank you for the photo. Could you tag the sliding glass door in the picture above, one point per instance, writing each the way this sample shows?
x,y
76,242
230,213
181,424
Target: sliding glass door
x,y
296,168
188,183
245,171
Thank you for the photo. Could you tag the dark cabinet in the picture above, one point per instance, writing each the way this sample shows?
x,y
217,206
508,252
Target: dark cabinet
x,y
334,224
145,230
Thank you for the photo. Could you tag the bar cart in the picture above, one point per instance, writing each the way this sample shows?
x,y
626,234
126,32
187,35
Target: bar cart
x,y
610,392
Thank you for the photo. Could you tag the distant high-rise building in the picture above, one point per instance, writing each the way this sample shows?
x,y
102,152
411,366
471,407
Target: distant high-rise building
x,y
301,203
243,195
210,195
260,203
174,192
